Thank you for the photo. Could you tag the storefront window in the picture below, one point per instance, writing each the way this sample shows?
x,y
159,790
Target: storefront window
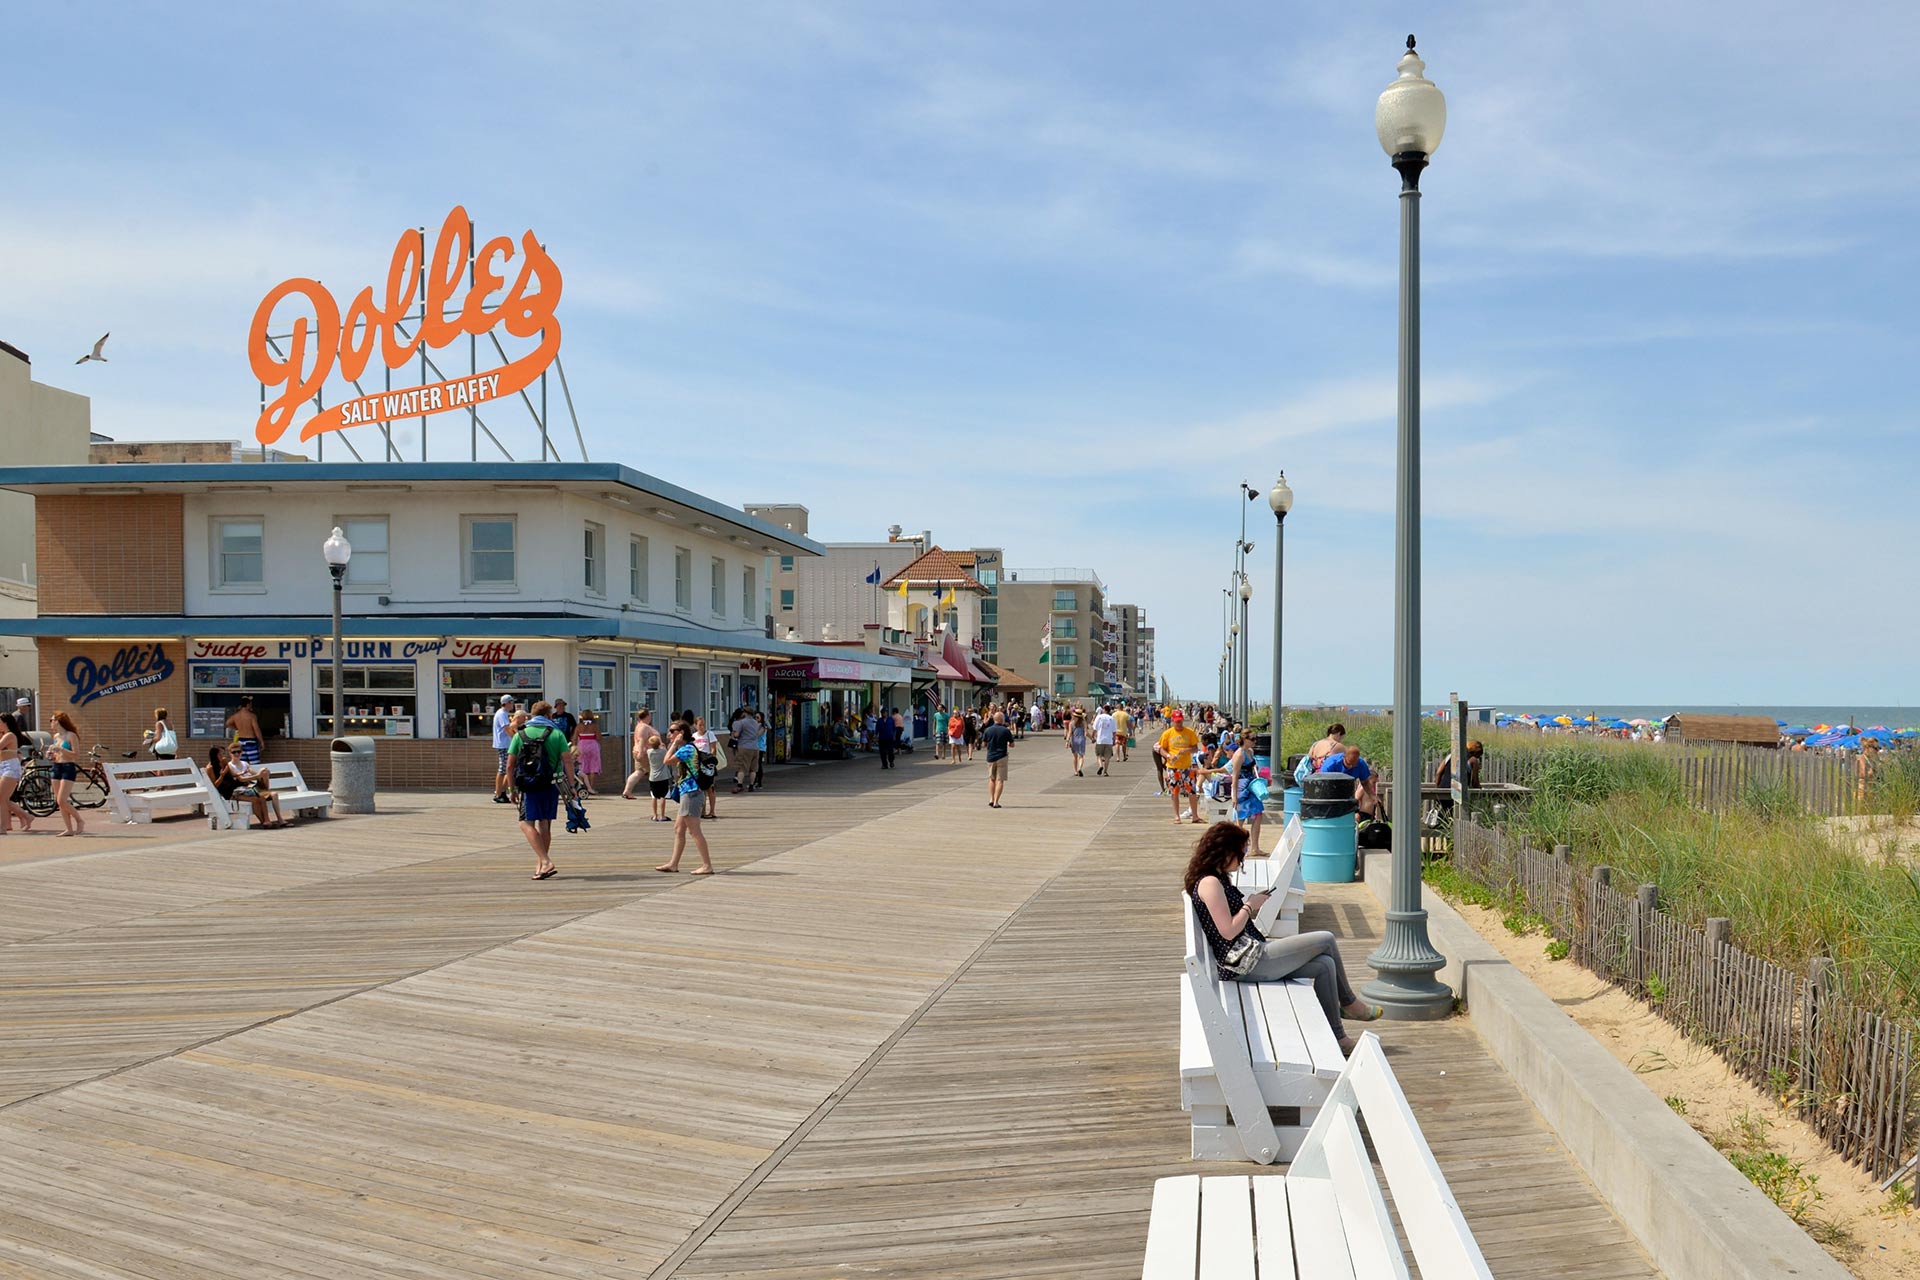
x,y
218,688
381,700
470,694
596,694
719,698
643,692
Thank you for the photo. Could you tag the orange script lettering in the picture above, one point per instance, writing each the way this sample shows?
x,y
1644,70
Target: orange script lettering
x,y
348,343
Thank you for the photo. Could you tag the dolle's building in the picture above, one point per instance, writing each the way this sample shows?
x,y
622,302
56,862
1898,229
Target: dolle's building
x,y
188,586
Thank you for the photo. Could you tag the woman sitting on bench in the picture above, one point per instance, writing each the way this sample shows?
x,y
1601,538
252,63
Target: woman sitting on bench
x,y
1224,914
234,780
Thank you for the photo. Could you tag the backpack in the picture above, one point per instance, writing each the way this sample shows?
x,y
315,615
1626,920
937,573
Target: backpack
x,y
706,766
532,766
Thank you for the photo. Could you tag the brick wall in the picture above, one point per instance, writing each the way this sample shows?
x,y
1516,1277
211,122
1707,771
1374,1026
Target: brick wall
x,y
398,763
115,720
111,553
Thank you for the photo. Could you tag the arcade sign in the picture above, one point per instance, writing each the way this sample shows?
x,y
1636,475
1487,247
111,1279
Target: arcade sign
x,y
346,343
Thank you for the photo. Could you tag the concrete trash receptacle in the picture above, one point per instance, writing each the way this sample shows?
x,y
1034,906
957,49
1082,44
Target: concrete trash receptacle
x,y
1327,850
352,784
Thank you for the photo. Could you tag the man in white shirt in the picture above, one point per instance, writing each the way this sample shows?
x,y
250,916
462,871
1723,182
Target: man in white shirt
x,y
502,738
1104,727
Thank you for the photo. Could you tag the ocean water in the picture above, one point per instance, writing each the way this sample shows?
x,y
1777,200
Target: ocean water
x,y
1859,716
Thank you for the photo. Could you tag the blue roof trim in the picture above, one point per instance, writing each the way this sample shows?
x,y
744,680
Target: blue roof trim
x,y
553,627
340,473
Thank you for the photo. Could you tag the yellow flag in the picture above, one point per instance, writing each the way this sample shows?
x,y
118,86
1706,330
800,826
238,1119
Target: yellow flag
x,y
950,601
903,588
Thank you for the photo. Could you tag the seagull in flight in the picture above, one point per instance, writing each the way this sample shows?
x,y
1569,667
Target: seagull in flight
x,y
95,353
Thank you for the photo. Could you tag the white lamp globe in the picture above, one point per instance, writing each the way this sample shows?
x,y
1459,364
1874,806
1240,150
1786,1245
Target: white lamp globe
x,y
1280,497
337,549
1246,589
1412,112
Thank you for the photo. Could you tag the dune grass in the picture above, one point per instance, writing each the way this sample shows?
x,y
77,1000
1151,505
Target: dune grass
x,y
1790,889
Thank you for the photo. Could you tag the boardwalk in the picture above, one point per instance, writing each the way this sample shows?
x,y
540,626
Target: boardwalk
x,y
904,1035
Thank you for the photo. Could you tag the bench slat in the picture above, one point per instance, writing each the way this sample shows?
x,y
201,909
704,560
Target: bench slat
x,y
1173,1232
1273,1232
1436,1230
1272,1008
1322,1047
1226,1229
1364,1220
1319,1246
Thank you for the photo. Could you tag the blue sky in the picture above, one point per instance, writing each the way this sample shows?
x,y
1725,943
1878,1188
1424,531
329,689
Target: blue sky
x,y
1058,277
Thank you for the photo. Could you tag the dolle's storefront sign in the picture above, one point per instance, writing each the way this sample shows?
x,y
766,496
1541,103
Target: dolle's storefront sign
x,y
345,343
130,668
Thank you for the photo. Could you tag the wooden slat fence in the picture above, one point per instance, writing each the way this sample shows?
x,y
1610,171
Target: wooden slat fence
x,y
1849,1072
1713,775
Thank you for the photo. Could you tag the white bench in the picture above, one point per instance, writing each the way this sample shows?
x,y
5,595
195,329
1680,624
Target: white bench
x,y
138,789
1278,874
1245,1047
1326,1217
292,791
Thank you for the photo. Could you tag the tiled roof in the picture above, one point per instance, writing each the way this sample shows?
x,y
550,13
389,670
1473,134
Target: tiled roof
x,y
937,566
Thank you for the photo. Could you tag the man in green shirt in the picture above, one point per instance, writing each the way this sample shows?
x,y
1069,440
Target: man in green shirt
x,y
539,758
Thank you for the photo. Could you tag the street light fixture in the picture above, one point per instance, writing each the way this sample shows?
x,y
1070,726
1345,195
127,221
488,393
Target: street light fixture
x,y
1410,117
338,551
1280,498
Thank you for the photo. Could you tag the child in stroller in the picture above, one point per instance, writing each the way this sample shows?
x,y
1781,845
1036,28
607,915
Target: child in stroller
x,y
573,795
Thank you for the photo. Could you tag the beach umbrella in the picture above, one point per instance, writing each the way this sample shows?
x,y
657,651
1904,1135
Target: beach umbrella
x,y
1619,724
1639,724
1882,734
1907,733
1778,720
1563,719
1797,731
1873,728
1846,742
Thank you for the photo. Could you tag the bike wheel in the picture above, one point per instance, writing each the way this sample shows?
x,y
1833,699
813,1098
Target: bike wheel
x,y
90,791
35,794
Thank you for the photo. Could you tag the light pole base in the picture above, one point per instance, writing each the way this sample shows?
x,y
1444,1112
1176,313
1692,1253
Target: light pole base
x,y
1406,989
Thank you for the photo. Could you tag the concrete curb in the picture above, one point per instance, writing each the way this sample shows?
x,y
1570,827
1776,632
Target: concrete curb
x,y
1690,1209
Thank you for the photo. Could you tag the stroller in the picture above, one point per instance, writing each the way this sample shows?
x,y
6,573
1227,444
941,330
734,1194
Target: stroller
x,y
573,795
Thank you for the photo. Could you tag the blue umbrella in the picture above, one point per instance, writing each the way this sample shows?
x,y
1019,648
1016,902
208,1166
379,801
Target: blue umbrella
x,y
1826,739
1882,734
1846,742
1797,731
1619,724
1907,733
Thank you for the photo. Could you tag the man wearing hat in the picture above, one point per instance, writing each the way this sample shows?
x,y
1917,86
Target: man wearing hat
x,y
23,712
502,736
1176,748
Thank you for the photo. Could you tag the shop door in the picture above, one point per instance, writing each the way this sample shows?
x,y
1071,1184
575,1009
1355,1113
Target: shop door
x,y
689,690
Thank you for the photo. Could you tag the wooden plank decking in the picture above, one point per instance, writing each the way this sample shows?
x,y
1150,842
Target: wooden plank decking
x,y
904,1035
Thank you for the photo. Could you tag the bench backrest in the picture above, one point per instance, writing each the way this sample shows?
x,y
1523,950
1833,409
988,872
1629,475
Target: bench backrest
x,y
1335,1153
134,776
1285,860
1202,970
284,775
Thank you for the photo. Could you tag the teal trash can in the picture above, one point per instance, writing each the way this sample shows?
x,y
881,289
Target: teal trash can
x,y
1292,809
1327,850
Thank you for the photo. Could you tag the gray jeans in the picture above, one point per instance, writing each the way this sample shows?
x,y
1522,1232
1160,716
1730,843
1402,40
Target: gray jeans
x,y
1308,955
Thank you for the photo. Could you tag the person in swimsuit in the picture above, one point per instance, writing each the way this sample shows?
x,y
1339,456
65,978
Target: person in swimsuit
x,y
233,780
245,728
64,753
11,735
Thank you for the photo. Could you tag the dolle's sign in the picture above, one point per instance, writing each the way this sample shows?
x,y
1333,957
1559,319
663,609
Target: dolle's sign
x,y
130,668
346,343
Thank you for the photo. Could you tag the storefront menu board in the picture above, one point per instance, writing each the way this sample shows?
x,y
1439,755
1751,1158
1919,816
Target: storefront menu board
x,y
211,677
208,722
527,677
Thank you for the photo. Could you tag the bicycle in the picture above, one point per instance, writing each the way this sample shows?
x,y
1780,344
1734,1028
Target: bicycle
x,y
35,793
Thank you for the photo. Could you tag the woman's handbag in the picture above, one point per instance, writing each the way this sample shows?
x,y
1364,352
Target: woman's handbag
x,y
1242,954
166,744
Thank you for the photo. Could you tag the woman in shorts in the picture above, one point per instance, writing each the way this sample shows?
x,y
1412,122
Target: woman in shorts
x,y
11,736
685,758
64,752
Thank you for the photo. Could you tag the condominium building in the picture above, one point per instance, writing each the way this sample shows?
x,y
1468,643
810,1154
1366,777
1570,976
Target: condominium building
x,y
1069,605
1134,638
